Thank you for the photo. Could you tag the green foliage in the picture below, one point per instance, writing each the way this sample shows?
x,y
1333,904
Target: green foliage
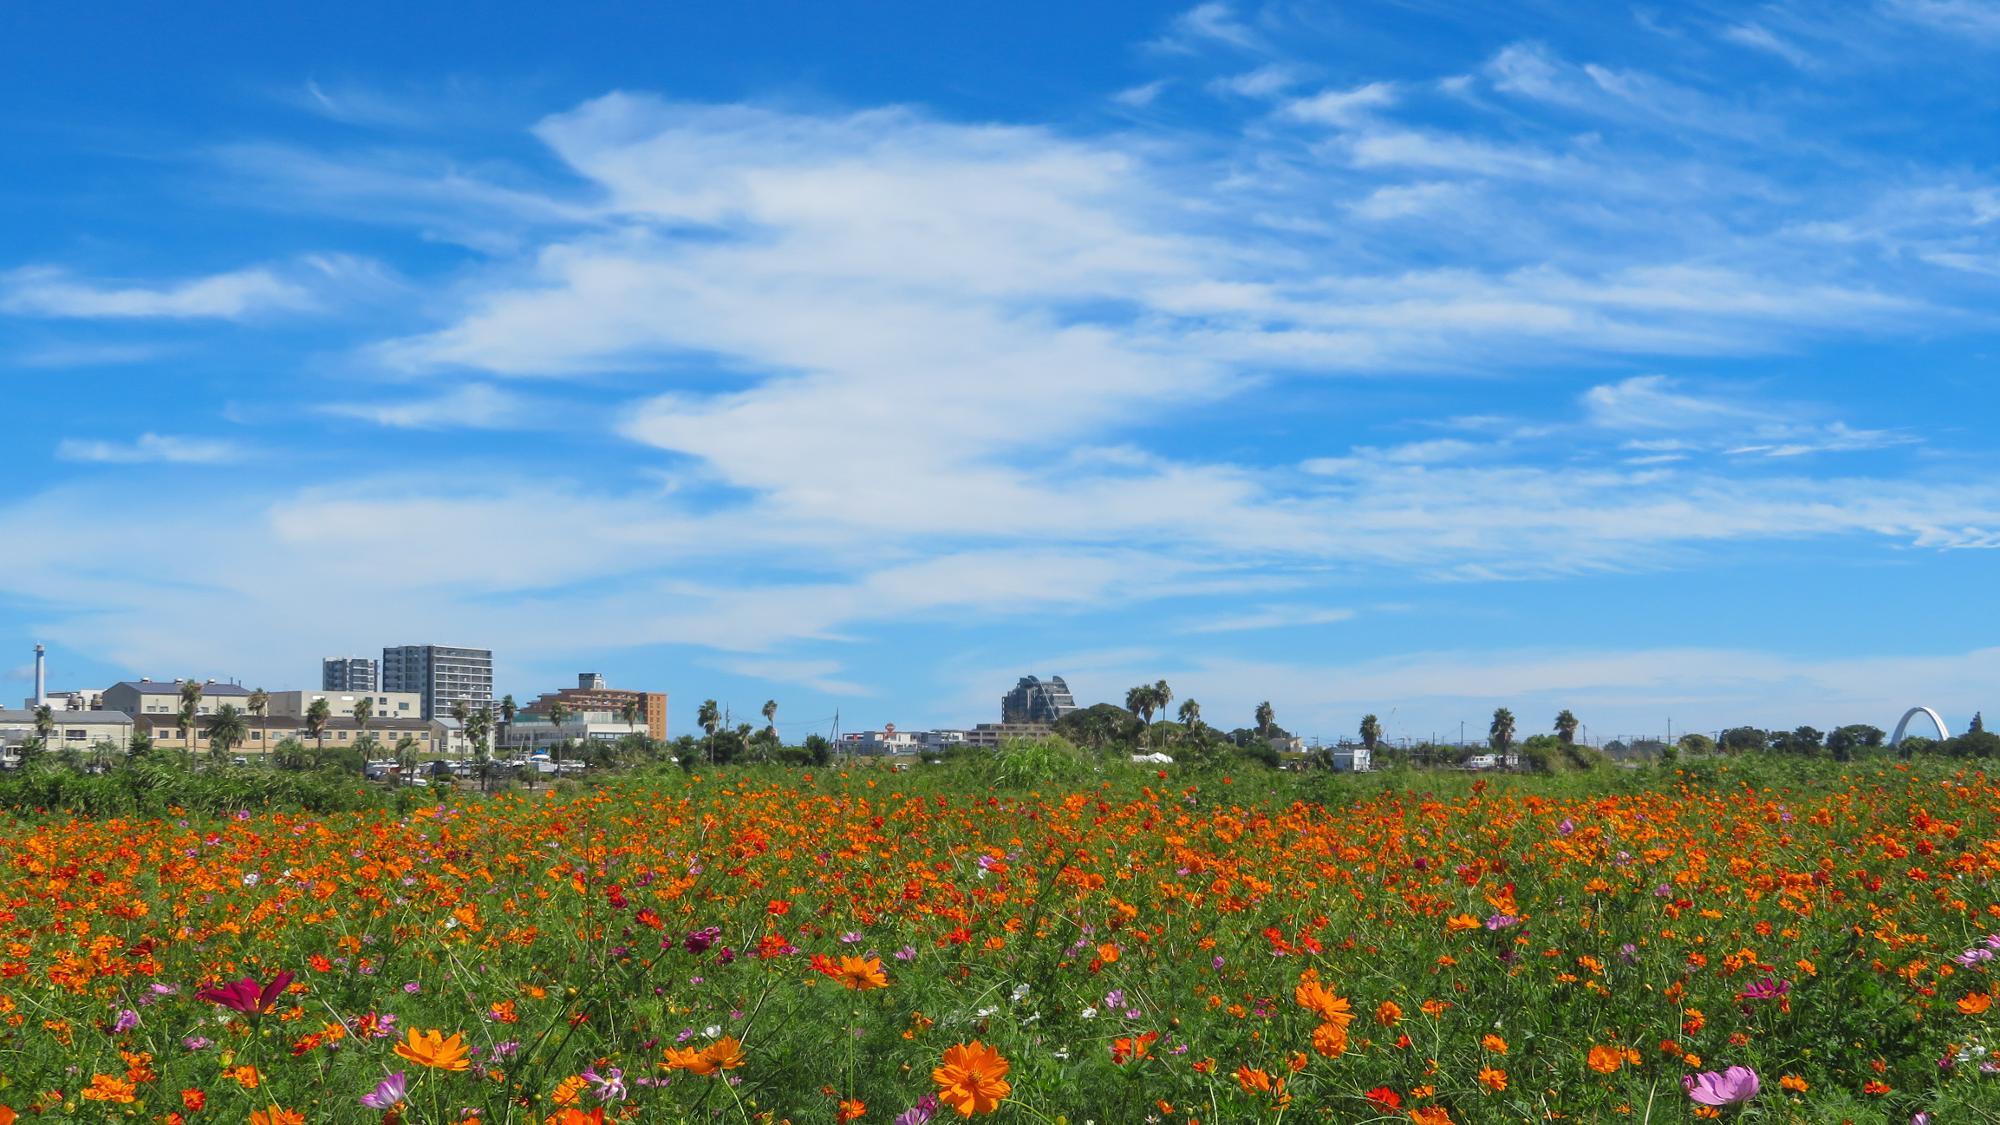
x,y
1033,763
1100,727
150,783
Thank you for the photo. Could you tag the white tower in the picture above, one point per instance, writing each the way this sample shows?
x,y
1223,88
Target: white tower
x,y
41,677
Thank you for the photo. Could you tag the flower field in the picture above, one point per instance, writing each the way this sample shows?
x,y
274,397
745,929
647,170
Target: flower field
x,y
880,947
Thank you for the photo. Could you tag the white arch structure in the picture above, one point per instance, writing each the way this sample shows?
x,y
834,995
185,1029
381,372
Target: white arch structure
x,y
1937,721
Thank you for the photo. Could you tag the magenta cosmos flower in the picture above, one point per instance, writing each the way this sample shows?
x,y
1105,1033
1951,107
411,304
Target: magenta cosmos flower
x,y
389,1094
1734,1086
245,996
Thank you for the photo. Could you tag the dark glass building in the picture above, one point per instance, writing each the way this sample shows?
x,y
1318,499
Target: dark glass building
x,y
1037,701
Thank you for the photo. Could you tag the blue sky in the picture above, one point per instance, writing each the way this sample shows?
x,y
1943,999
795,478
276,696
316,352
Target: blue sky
x,y
1409,358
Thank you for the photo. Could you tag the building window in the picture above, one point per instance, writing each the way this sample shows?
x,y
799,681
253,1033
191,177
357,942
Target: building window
x,y
74,735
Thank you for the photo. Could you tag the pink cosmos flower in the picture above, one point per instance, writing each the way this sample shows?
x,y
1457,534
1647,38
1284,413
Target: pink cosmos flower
x,y
389,1093
245,996
1766,989
1734,1086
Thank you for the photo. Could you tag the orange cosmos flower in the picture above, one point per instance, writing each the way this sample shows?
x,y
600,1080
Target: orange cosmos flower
x,y
850,1109
1494,1044
725,1053
1253,1081
1430,1115
1127,1048
1793,1083
1330,1040
1493,1079
1388,1013
1605,1060
862,974
1975,1003
972,1079
277,1115
106,1088
432,1049
1314,997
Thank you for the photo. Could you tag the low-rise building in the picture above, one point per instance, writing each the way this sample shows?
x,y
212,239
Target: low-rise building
x,y
262,735
79,700
163,697
530,731
990,735
385,704
73,730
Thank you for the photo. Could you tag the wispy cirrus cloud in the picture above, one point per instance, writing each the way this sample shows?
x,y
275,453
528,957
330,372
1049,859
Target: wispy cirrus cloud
x,y
150,449
476,406
48,291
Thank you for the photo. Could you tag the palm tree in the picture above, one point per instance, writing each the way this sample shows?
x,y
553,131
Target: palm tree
x,y
480,728
629,711
507,712
406,755
259,702
1142,701
1190,714
1371,732
1566,725
1265,717
461,713
318,714
706,717
190,707
1162,696
226,730
558,715
45,722
771,715
1501,734
364,710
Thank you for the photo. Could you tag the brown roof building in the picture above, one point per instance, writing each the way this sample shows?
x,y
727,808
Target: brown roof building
x,y
590,695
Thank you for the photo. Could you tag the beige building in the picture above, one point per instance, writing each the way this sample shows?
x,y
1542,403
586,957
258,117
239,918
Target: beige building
x,y
386,704
163,697
991,735
262,736
74,730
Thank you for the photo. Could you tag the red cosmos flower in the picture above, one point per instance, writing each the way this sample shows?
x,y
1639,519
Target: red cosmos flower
x,y
1385,1099
245,996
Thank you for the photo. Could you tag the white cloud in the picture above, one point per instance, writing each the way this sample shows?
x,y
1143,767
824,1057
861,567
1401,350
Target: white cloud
x,y
1735,427
1974,19
819,675
1760,38
1208,24
473,406
149,449
1142,95
1342,107
50,292
1652,402
1274,617
1531,70
1264,82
